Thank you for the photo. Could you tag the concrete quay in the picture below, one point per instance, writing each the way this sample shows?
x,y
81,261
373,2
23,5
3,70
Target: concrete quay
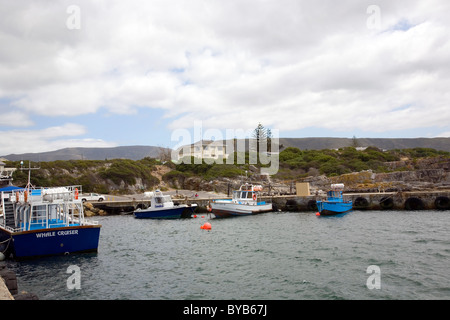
x,y
411,200
4,291
417,200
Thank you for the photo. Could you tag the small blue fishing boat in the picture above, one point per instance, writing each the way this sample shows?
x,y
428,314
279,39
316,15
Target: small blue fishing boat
x,y
334,204
44,222
162,207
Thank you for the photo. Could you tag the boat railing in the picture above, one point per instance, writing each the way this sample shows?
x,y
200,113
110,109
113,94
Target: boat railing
x,y
12,229
46,208
250,187
90,222
38,217
61,194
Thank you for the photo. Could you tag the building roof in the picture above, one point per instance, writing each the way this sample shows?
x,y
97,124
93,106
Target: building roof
x,y
209,142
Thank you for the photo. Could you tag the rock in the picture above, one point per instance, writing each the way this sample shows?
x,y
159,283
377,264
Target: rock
x,y
88,206
10,279
89,213
25,296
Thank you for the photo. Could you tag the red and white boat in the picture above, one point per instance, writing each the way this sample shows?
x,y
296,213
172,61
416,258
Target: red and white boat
x,y
245,201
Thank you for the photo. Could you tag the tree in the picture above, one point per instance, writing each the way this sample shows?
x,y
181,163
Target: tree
x,y
269,139
260,135
355,142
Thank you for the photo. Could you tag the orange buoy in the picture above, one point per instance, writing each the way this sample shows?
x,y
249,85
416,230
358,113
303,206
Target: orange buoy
x,y
317,213
206,226
203,216
195,216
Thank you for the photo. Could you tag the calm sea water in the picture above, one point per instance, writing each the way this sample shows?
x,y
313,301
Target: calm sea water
x,y
285,255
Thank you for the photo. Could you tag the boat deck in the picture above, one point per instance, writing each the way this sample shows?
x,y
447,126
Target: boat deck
x,y
52,223
230,201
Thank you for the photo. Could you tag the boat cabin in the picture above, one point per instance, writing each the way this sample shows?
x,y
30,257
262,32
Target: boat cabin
x,y
158,200
335,194
26,210
247,193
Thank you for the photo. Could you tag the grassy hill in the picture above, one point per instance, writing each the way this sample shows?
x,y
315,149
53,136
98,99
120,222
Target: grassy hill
x,y
381,143
134,176
103,176
140,152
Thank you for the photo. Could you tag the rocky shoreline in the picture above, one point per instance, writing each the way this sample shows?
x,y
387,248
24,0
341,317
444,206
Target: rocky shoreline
x,y
364,181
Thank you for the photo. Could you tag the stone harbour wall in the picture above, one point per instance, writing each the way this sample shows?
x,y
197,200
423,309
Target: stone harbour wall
x,y
438,200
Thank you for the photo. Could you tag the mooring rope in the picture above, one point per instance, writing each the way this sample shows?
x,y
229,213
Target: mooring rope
x,y
9,241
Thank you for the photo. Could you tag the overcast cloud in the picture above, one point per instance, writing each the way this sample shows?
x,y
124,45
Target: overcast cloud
x,y
288,64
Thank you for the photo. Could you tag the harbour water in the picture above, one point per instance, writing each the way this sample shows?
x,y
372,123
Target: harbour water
x,y
276,256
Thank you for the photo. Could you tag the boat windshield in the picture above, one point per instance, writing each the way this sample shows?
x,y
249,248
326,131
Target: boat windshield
x,y
243,194
334,194
163,199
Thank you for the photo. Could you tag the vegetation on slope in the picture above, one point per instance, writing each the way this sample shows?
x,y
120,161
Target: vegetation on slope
x,y
94,175
300,163
296,163
121,175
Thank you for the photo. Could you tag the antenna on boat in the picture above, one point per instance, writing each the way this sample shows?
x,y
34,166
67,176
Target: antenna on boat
x,y
29,185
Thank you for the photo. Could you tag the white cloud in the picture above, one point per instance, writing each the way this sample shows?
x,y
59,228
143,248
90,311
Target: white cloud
x,y
290,64
14,118
443,135
52,138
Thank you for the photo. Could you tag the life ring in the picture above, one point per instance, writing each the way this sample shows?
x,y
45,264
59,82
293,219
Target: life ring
x,y
254,196
76,193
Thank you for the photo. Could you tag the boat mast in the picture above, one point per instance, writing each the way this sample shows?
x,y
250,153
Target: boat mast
x,y
29,185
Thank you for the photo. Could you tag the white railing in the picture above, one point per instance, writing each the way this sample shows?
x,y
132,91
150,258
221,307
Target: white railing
x,y
12,229
62,200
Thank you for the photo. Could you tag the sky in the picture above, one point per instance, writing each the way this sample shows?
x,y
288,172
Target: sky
x,y
108,73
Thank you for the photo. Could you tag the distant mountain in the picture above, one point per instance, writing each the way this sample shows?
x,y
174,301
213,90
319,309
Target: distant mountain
x,y
130,152
140,152
442,144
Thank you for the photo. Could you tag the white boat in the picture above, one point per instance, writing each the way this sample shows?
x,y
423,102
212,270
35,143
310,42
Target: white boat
x,y
245,201
162,207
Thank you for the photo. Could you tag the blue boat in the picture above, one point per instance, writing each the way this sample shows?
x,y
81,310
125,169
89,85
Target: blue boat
x,y
45,222
162,207
334,204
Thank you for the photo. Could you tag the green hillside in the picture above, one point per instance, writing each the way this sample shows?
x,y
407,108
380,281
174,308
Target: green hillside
x,y
124,175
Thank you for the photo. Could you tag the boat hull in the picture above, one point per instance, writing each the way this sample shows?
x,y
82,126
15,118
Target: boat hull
x,y
163,213
52,241
330,208
227,209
